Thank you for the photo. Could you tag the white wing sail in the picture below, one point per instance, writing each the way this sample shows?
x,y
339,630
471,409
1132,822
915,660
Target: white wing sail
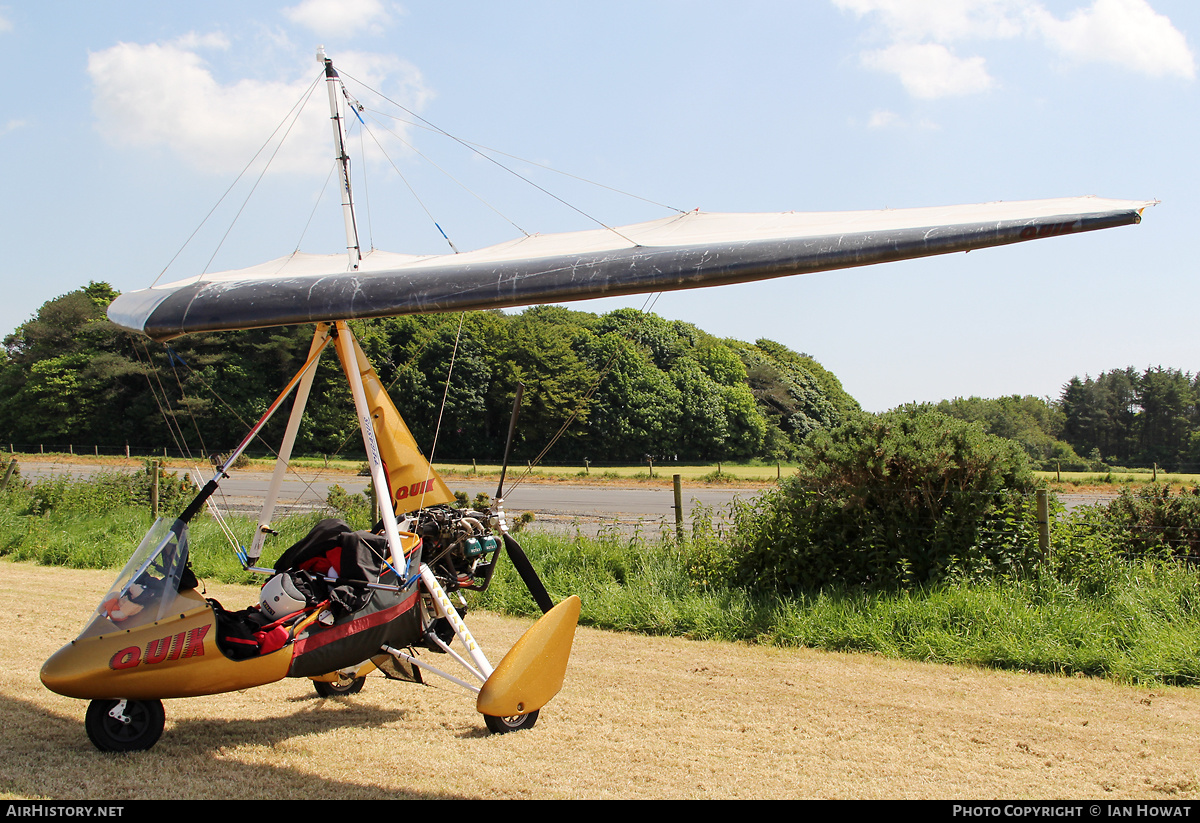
x,y
686,251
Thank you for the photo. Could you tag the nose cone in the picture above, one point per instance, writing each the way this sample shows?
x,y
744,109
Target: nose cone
x,y
67,672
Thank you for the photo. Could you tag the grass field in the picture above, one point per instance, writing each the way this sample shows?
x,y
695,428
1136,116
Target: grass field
x,y
1118,478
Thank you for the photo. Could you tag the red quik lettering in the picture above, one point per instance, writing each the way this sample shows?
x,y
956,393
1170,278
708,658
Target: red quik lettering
x,y
171,647
414,490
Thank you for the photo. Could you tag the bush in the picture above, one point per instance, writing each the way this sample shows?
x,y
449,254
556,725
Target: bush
x,y
109,491
900,499
355,509
1154,519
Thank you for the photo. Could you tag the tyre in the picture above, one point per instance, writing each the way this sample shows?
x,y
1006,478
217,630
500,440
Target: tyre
x,y
342,689
137,728
503,725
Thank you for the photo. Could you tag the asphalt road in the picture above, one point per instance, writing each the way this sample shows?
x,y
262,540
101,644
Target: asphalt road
x,y
553,504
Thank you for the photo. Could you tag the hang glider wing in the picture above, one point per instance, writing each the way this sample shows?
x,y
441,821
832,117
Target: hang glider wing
x,y
686,251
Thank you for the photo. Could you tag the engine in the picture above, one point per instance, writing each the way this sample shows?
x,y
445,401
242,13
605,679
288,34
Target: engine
x,y
458,545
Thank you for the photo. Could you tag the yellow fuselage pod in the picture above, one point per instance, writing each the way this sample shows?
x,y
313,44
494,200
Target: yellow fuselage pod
x,y
173,657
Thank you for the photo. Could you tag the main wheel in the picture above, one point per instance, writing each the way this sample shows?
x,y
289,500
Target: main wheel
x,y
342,689
503,725
134,729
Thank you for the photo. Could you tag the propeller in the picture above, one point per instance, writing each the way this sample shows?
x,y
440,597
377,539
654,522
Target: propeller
x,y
519,559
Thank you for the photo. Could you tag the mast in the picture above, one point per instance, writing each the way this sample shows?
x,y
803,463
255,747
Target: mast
x,y
333,85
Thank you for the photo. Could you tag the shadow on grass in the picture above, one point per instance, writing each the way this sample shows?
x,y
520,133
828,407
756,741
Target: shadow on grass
x,y
48,756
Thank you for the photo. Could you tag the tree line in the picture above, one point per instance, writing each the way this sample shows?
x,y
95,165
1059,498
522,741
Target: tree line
x,y
617,387
1124,417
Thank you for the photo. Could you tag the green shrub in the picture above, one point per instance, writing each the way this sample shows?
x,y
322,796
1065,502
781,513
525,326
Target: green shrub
x,y
1085,552
109,491
1155,519
355,509
899,499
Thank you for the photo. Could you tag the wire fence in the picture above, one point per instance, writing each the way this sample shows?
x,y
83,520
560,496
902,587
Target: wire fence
x,y
1143,521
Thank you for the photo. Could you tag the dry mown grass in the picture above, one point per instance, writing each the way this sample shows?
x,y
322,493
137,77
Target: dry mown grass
x,y
638,718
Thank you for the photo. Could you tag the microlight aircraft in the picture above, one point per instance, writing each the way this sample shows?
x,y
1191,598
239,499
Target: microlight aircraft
x,y
341,604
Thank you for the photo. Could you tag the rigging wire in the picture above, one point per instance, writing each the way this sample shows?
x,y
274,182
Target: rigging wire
x,y
297,109
362,153
413,191
583,402
176,430
173,357
497,163
458,182
300,104
317,203
308,484
445,394
478,149
168,420
525,160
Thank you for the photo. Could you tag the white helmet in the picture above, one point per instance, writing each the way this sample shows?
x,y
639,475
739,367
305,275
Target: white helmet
x,y
280,597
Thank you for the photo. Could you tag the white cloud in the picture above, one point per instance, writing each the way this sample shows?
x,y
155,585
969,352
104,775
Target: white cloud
x,y
918,35
881,119
165,94
942,20
340,18
1125,32
930,70
12,125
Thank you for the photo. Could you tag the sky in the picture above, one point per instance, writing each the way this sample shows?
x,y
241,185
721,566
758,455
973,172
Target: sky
x,y
128,126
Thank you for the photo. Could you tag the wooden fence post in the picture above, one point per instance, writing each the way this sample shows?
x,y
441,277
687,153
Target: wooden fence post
x,y
677,482
8,473
154,489
1043,520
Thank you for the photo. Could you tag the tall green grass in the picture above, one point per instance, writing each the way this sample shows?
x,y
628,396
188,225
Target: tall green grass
x,y
1142,626
100,531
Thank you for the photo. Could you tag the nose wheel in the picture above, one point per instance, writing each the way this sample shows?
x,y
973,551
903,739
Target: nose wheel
x,y
124,725
502,725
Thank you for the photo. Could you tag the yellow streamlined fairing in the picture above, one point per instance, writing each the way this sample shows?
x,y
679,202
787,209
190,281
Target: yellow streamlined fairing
x,y
411,480
533,670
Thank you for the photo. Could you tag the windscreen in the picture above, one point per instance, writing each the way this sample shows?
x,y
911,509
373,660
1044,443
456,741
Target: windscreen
x,y
148,586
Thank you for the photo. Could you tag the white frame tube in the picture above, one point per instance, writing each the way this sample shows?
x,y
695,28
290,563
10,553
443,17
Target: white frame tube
x,y
383,495
320,339
345,343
